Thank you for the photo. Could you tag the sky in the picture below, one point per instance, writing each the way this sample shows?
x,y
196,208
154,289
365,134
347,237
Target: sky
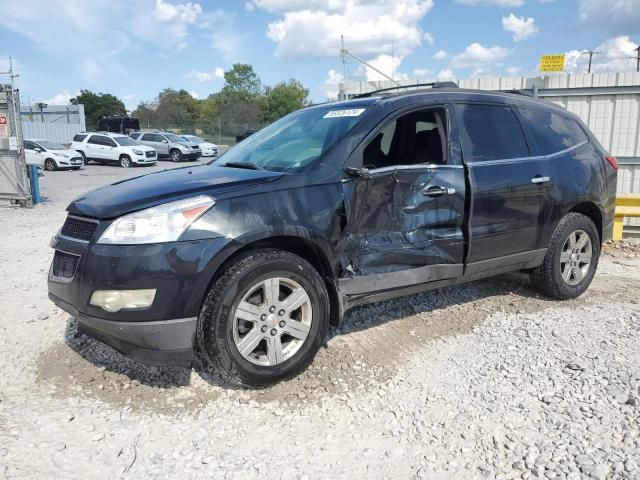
x,y
135,48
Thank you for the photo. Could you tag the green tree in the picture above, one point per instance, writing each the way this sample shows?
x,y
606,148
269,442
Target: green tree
x,y
176,109
242,81
284,98
98,105
145,112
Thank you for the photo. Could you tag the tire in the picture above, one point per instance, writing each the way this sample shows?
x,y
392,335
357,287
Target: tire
x,y
175,155
85,160
219,325
50,165
125,161
75,168
564,273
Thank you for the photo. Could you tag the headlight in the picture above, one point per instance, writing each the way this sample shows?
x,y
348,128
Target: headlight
x,y
164,223
183,149
61,155
137,152
116,300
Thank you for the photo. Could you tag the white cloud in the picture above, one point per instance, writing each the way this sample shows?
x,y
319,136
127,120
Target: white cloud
x,y
182,12
422,74
440,55
387,65
615,57
476,55
428,36
194,94
312,28
501,3
62,98
205,76
513,71
613,16
521,27
331,86
446,75
249,7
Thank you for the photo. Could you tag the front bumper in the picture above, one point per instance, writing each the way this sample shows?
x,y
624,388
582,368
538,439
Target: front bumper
x,y
162,334
193,155
164,342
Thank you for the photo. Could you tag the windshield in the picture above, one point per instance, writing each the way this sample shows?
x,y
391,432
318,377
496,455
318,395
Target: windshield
x,y
126,141
193,138
294,141
52,145
174,138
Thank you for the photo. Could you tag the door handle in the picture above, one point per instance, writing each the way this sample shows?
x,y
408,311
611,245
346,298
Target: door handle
x,y
539,179
438,191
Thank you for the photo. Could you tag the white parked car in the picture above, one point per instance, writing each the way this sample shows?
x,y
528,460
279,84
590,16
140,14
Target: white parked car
x,y
116,148
208,149
51,155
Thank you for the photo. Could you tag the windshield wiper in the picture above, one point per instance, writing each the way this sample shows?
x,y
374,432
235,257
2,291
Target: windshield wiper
x,y
247,165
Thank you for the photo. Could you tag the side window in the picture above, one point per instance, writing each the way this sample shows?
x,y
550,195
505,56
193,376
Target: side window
x,y
109,142
79,137
552,132
151,137
411,139
29,145
490,132
95,140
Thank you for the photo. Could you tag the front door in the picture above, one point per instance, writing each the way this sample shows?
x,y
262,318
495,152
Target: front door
x,y
511,199
156,141
405,222
33,156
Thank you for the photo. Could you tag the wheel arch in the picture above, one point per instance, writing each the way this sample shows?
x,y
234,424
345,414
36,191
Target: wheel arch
x,y
305,248
591,210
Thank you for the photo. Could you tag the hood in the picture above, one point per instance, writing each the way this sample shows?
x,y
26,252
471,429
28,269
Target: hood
x,y
156,188
208,145
189,144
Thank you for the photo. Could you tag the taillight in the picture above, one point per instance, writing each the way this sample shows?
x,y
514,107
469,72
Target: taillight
x,y
613,161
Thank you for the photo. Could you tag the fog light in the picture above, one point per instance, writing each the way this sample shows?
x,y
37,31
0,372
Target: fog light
x,y
116,300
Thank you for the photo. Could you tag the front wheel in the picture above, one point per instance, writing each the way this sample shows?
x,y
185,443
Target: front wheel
x,y
50,165
176,155
571,259
264,318
125,161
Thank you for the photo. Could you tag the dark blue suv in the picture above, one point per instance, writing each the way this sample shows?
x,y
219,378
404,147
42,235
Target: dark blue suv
x,y
251,257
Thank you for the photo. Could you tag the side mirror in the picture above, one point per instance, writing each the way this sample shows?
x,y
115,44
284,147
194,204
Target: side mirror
x,y
37,149
355,172
165,141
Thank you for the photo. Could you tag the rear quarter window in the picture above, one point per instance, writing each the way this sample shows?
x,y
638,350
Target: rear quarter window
x,y
552,132
490,132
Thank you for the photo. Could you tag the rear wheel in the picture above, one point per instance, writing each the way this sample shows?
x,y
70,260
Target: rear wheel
x,y
125,161
85,160
264,318
175,155
50,165
571,260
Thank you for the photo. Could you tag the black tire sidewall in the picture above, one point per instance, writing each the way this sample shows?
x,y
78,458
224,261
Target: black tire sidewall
x,y
220,332
179,155
578,222
85,160
51,162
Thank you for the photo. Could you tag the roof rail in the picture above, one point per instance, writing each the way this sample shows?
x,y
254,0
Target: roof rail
x,y
519,91
414,85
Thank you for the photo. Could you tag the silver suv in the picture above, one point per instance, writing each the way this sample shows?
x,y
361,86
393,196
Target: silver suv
x,y
169,145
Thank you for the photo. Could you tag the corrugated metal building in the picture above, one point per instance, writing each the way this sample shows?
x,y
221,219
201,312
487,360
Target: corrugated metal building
x,y
58,123
609,103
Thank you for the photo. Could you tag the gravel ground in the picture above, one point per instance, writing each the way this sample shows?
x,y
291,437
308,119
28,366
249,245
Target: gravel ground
x,y
486,380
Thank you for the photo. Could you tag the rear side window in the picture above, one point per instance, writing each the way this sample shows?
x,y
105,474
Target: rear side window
x,y
95,140
552,132
490,132
79,138
152,137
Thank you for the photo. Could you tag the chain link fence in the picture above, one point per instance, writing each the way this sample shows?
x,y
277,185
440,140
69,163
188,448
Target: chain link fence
x,y
14,183
217,131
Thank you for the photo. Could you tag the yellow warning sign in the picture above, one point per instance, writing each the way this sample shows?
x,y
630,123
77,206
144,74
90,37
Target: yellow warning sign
x,y
552,63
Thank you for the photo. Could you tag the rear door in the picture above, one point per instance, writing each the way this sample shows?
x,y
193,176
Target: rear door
x,y
155,141
94,147
406,221
510,201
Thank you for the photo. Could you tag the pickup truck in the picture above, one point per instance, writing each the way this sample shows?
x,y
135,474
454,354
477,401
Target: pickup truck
x,y
252,257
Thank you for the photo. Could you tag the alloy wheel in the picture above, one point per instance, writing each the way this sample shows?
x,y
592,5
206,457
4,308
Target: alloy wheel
x,y
576,257
125,162
49,165
272,321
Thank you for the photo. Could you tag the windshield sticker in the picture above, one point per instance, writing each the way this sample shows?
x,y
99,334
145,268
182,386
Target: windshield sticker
x,y
352,112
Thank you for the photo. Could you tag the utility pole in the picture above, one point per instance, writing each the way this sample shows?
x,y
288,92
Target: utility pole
x,y
342,95
637,59
591,53
344,52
